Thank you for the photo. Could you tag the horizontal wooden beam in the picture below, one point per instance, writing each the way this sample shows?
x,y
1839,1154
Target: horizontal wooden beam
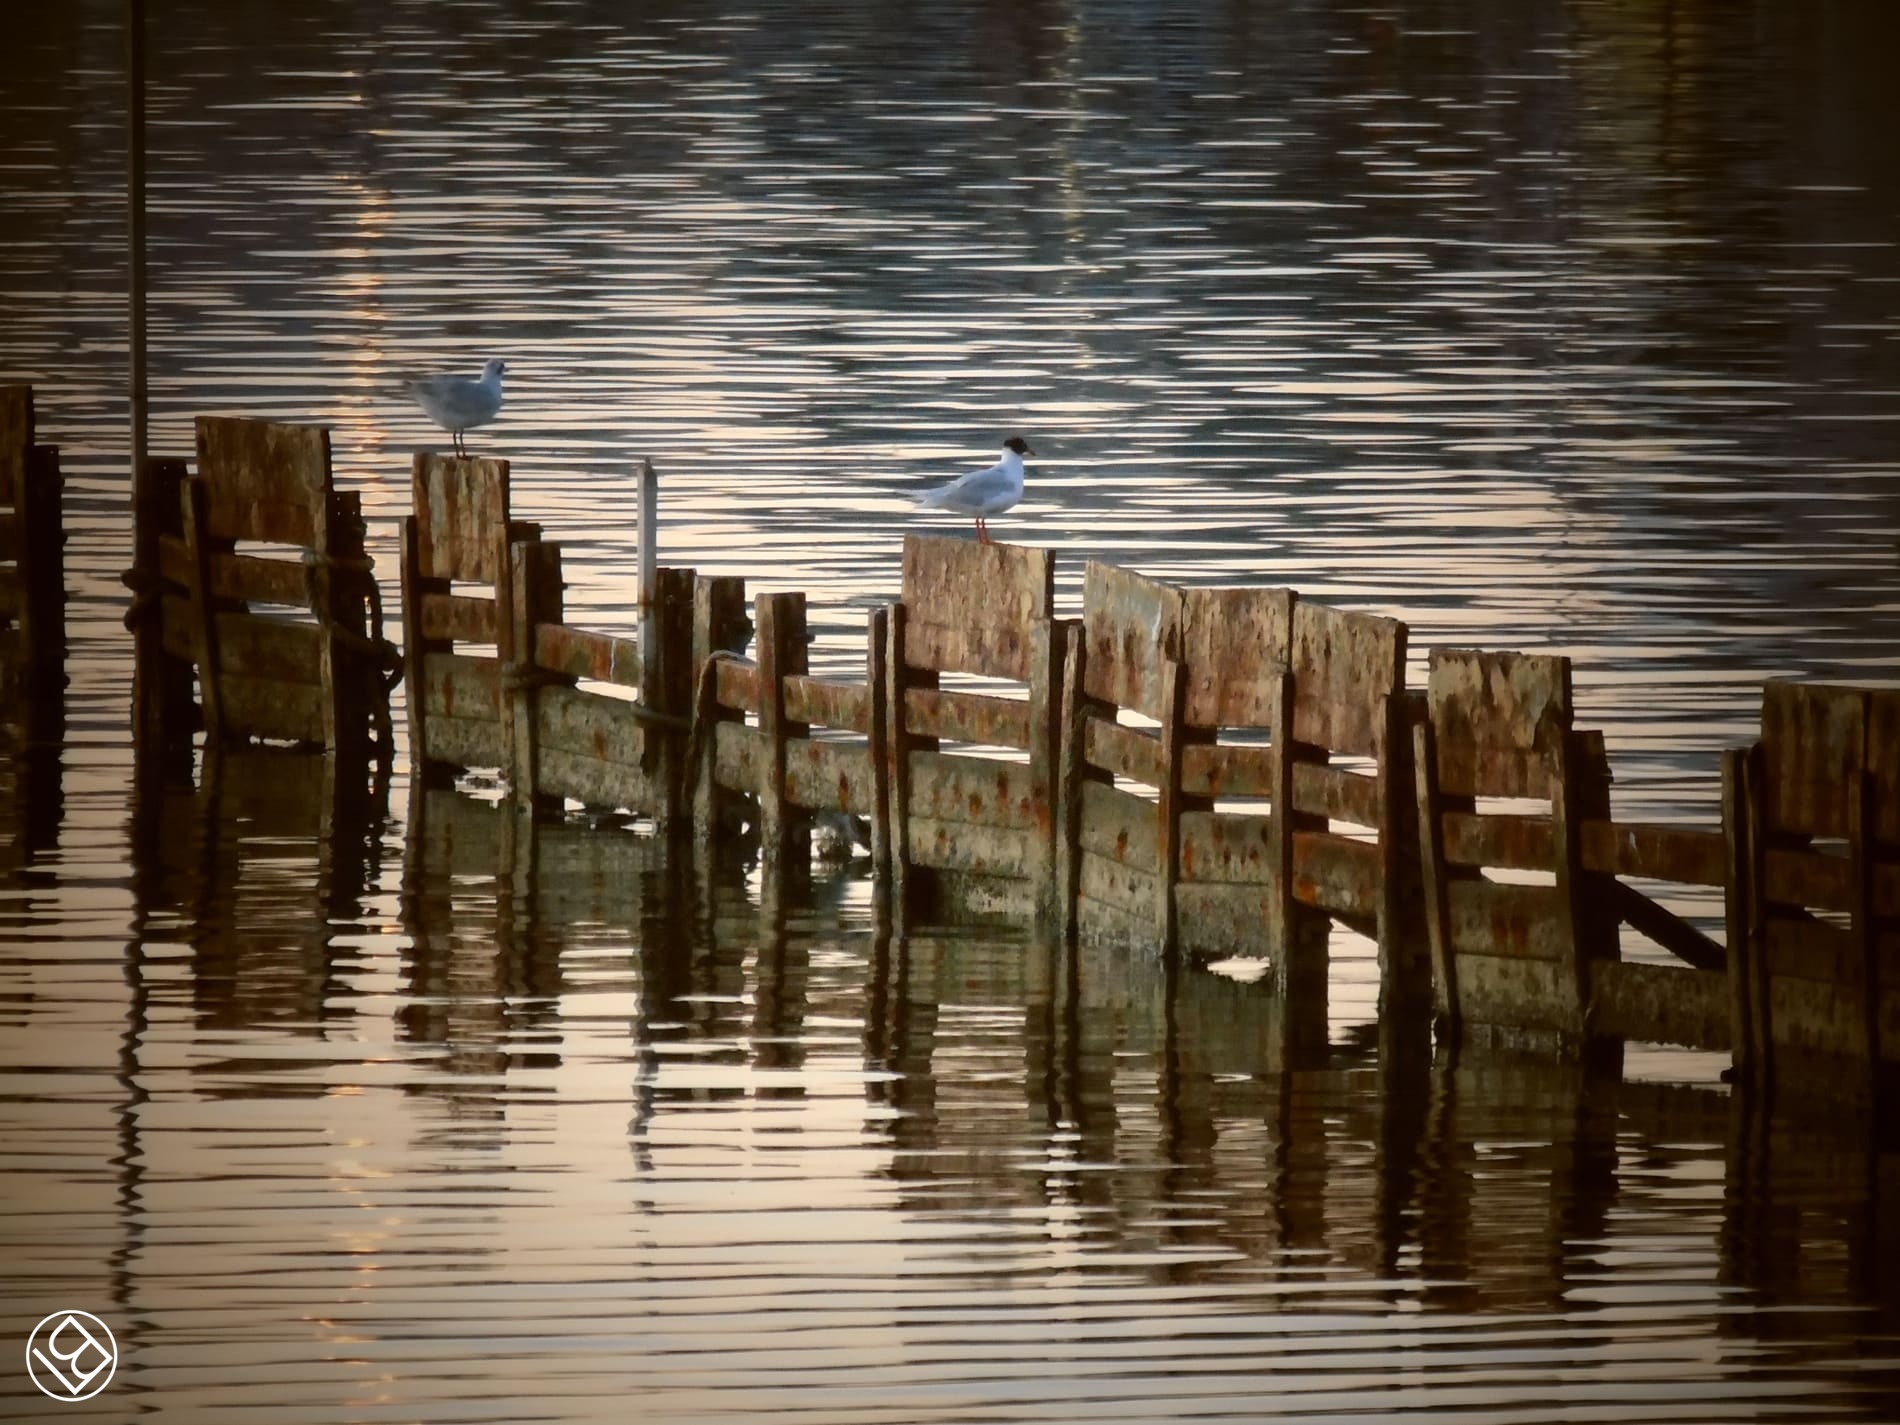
x,y
583,653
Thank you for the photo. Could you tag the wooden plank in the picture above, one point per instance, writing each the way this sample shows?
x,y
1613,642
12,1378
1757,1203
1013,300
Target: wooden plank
x,y
1811,1016
1812,738
737,682
1497,718
1130,625
1215,770
195,500
1345,667
1660,1004
533,598
962,846
1071,774
970,605
1494,919
587,725
979,790
1170,803
584,653
1335,874
1282,922
461,507
458,618
1802,949
1882,763
739,757
1120,886
1665,928
823,775
1520,842
1216,919
269,649
251,579
1235,643
264,481
455,685
1123,751
267,707
9,539
877,742
416,647
1517,994
1337,793
596,781
1822,880
968,717
722,626
1688,855
1226,848
456,742
828,702
1737,902
1118,826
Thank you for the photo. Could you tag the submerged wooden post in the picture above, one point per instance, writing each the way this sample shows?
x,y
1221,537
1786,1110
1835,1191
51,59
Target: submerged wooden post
x,y
781,625
652,671
1280,907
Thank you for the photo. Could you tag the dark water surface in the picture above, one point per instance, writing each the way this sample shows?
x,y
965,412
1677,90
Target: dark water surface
x,y
1571,327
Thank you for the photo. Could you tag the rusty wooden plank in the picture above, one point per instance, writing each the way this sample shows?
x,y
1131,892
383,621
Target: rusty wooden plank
x,y
1171,803
1660,1004
1218,919
1492,918
1336,874
271,708
980,790
264,481
459,618
1129,624
1226,847
596,781
963,846
1337,793
970,605
737,682
416,647
1071,772
877,746
271,649
585,653
1823,880
1345,667
1519,841
457,742
1497,718
1119,826
1813,737
1123,751
456,685
828,702
825,775
1235,644
1231,771
1737,902
964,716
461,507
587,725
722,626
1687,855
249,578
1663,926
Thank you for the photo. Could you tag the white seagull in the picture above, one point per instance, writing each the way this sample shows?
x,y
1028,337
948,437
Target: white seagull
x,y
983,493
459,403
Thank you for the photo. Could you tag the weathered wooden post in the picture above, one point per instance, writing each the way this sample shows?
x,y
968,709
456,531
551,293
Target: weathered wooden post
x,y
1743,1047
900,743
1048,644
32,537
1072,771
162,711
877,680
671,686
1173,738
535,598
783,829
720,628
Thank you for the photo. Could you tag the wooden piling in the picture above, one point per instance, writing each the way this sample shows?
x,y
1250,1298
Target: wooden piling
x,y
720,629
784,830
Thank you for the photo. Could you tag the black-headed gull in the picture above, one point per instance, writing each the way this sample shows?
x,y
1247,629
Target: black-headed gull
x,y
983,493
460,403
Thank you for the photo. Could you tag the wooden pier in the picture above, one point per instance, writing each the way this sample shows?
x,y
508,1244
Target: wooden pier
x,y
1176,772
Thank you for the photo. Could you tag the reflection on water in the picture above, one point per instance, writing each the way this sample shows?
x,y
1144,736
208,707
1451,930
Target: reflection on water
x,y
1569,326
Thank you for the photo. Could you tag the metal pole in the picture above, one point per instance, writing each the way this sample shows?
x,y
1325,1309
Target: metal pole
x,y
135,235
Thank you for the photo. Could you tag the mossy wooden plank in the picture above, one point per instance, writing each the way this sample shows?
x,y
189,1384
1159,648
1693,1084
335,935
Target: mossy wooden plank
x,y
739,756
1813,1015
1336,793
588,725
821,775
1660,1004
828,702
1345,668
969,606
1820,880
1120,886
1235,643
965,846
1515,992
264,481
466,742
991,791
461,507
16,440
1513,840
1794,948
1494,919
1214,920
456,685
271,708
1118,826
595,781
1129,625
1496,720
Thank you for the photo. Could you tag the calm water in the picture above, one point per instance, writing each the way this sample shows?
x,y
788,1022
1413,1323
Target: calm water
x,y
1559,326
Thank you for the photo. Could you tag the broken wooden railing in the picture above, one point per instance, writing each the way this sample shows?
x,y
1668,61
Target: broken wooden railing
x,y
251,579
32,558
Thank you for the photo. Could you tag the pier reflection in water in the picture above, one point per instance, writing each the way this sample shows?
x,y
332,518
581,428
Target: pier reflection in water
x,y
435,1108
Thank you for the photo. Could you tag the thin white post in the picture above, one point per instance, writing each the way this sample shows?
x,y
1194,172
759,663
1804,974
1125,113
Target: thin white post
x,y
135,222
